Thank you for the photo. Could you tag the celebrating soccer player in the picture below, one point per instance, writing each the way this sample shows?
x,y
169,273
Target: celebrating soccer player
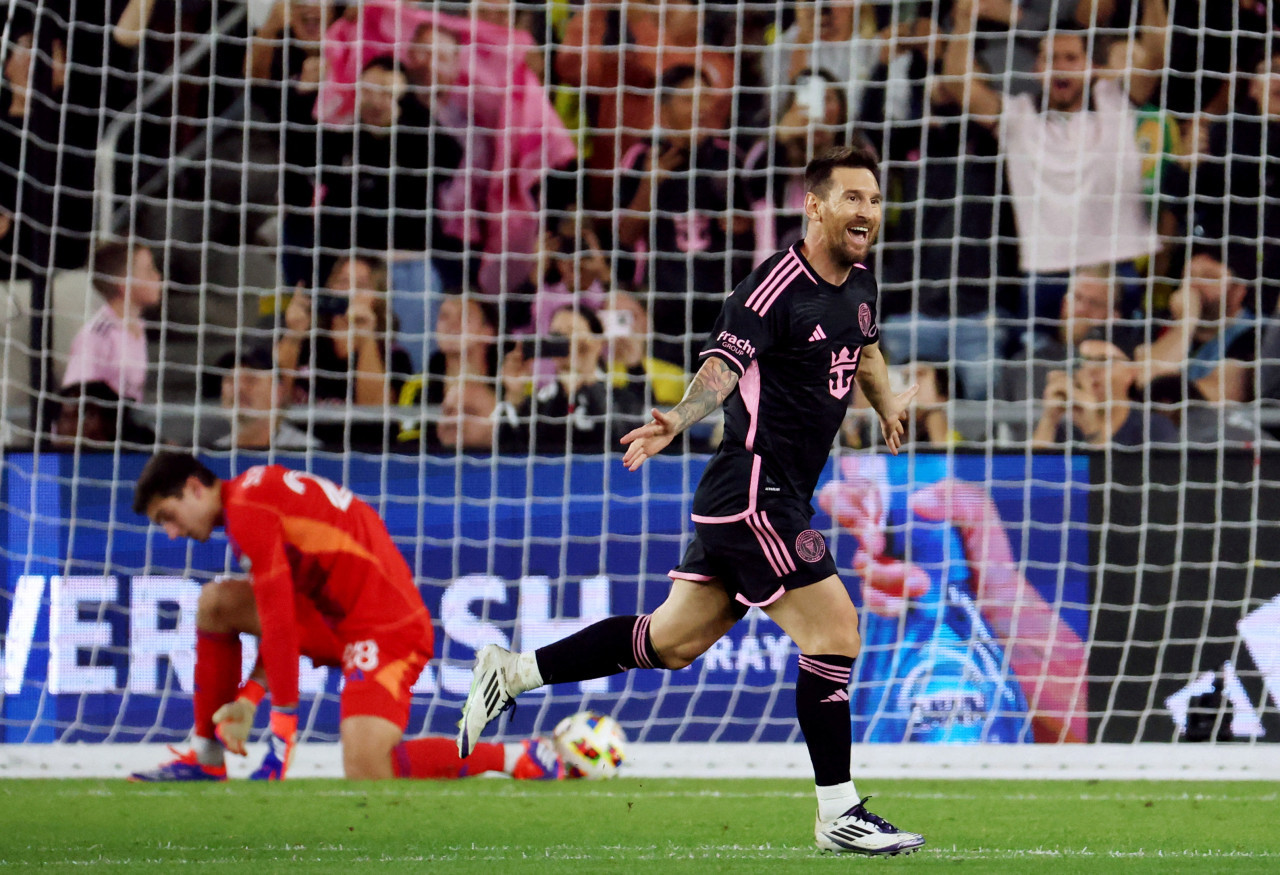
x,y
320,558
781,358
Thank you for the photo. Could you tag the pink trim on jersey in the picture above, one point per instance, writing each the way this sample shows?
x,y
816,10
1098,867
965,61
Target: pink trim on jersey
x,y
749,386
685,575
733,361
764,604
751,500
863,266
777,280
805,270
775,549
638,634
837,673
630,157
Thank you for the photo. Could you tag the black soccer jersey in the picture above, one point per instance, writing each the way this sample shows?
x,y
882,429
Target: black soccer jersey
x,y
795,341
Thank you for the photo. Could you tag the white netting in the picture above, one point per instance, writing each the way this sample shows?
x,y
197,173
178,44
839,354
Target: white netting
x,y
378,219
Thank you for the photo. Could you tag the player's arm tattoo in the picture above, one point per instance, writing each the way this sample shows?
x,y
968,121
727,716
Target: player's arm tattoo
x,y
710,386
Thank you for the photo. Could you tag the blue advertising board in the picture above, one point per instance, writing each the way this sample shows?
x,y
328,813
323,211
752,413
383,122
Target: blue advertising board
x,y
98,606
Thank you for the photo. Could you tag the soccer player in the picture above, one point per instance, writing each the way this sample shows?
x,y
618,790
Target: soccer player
x,y
306,540
224,713
781,358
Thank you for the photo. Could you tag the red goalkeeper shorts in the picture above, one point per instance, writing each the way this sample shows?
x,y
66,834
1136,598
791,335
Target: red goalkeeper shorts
x,y
380,671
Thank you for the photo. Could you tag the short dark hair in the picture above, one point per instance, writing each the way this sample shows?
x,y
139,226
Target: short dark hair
x,y
165,476
674,79
382,62
111,266
588,314
817,175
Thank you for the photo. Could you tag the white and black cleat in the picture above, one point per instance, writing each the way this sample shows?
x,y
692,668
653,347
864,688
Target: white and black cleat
x,y
490,695
858,831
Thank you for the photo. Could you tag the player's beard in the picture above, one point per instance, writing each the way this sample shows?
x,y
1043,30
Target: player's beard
x,y
845,251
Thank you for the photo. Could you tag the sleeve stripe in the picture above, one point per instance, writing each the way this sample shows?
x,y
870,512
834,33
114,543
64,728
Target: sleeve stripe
x,y
727,357
774,285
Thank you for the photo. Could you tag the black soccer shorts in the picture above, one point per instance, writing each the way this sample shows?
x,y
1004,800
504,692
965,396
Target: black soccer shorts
x,y
759,557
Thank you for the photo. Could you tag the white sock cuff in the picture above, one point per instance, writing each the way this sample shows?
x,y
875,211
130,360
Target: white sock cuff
x,y
527,675
836,799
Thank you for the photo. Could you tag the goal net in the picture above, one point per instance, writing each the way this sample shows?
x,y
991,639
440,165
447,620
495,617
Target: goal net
x,y
447,253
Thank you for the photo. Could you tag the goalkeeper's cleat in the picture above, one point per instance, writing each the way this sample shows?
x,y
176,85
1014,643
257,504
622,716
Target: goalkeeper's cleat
x,y
490,695
859,831
185,768
539,762
270,769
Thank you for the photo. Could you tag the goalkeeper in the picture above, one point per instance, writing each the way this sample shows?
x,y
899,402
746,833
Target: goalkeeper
x,y
225,714
312,543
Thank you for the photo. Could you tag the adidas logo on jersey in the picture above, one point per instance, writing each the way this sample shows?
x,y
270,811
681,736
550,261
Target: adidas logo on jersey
x,y
818,334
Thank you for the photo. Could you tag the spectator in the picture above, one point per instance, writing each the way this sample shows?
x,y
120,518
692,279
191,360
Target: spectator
x,y
91,416
285,66
616,57
572,265
940,257
835,37
112,346
352,359
1093,406
466,348
433,65
466,419
626,327
813,120
1073,165
1237,191
252,391
929,425
574,413
1209,350
21,154
685,218
374,187
1090,308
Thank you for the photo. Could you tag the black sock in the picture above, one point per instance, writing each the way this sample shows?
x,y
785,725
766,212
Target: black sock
x,y
822,706
613,645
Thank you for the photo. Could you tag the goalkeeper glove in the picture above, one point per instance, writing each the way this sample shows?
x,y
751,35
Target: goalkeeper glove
x,y
235,719
280,741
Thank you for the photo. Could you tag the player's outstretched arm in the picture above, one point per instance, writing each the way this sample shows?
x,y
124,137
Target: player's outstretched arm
x,y
712,384
873,378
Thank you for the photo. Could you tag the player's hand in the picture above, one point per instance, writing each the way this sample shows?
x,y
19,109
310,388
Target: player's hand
x,y
648,440
280,743
889,584
232,724
297,316
892,421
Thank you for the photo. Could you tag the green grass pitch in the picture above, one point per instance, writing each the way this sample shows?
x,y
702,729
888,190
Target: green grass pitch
x,y
673,825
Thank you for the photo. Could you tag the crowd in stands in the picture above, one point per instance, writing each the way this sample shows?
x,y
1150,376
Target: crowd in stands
x,y
512,224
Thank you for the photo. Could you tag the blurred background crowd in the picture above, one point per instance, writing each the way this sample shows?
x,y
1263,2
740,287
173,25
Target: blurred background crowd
x,y
509,225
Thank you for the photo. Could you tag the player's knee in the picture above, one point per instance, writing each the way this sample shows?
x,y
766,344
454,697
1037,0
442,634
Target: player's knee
x,y
363,763
214,606
682,654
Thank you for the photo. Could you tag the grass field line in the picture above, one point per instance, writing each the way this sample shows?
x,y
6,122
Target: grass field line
x,y
569,853
471,789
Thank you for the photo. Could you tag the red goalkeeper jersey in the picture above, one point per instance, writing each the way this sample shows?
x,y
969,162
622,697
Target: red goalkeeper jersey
x,y
300,533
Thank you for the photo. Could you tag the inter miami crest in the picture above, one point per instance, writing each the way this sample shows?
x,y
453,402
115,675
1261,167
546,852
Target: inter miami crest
x,y
844,364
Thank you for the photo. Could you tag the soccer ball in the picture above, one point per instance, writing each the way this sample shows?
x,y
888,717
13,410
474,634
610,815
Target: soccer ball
x,y
590,745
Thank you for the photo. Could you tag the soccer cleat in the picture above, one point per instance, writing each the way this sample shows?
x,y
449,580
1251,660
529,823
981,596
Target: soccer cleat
x,y
184,768
490,695
539,762
859,831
